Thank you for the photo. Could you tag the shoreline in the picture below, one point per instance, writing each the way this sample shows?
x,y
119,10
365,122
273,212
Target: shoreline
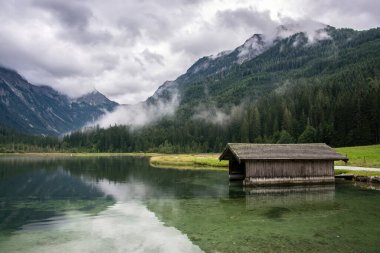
x,y
202,161
84,154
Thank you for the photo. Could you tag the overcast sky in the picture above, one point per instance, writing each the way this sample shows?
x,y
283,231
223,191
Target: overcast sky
x,y
127,48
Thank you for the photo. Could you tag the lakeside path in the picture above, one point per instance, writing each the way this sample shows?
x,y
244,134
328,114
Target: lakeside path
x,y
356,168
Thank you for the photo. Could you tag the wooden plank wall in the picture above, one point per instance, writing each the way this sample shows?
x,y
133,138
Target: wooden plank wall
x,y
289,168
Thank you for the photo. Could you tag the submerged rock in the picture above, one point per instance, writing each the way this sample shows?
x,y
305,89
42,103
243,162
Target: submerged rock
x,y
367,179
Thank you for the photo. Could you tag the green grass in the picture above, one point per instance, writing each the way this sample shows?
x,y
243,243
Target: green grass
x,y
186,161
357,172
177,161
361,156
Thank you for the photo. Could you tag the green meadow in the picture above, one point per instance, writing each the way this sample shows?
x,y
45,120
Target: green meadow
x,y
361,156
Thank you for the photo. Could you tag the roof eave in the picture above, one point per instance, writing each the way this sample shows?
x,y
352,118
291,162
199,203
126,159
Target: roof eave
x,y
228,147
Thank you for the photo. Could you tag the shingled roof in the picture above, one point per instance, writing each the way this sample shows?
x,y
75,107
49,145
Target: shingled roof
x,y
310,151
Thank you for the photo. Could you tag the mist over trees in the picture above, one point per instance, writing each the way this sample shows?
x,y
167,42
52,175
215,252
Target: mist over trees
x,y
339,115
329,112
324,92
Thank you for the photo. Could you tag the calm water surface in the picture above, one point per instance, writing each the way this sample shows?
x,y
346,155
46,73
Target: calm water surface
x,y
124,205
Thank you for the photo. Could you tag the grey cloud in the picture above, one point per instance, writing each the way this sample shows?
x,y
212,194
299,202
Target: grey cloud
x,y
140,62
359,14
71,14
109,61
258,22
129,88
129,48
229,29
354,7
178,3
153,20
204,43
86,36
75,19
27,58
152,57
156,20
131,30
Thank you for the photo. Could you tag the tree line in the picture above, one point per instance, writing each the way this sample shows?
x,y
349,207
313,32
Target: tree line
x,y
329,112
286,95
339,115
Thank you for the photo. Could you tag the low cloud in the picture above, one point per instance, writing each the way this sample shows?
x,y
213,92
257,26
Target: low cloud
x,y
259,22
314,31
212,114
140,114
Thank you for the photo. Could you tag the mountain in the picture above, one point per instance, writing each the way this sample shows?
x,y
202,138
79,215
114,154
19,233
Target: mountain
x,y
42,110
266,62
319,84
95,98
214,64
295,85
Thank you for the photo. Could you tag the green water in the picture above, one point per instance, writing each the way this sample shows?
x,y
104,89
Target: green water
x,y
124,205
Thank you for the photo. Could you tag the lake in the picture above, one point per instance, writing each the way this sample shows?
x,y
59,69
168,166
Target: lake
x,y
121,204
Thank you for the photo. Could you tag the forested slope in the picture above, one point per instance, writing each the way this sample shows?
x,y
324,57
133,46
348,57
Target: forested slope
x,y
293,89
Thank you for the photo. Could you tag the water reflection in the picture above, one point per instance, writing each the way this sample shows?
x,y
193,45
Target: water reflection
x,y
286,196
124,205
122,171
41,194
123,227
91,205
40,188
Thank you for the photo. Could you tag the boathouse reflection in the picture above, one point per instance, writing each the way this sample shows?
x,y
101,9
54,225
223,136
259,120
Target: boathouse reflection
x,y
285,196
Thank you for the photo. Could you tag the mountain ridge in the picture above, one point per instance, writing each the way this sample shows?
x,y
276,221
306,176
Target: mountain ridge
x,y
302,46
253,47
222,80
43,110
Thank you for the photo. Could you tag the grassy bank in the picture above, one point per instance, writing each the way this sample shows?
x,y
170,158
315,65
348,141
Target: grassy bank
x,y
361,156
194,161
357,172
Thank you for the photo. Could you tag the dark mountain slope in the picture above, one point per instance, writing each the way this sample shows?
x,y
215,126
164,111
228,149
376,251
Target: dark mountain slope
x,y
318,87
42,110
295,89
224,80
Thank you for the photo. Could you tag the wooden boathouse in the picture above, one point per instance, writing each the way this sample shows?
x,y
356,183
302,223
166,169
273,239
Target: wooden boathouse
x,y
261,164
